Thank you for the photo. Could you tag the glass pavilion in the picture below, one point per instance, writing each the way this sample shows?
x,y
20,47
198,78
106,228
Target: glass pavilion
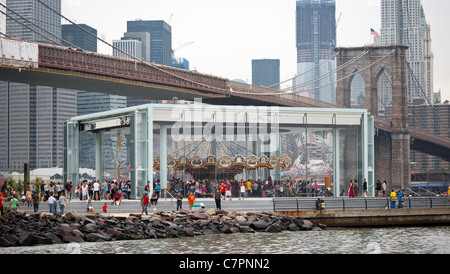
x,y
331,146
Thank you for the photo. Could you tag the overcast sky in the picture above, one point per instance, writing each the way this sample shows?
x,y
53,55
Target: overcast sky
x,y
227,35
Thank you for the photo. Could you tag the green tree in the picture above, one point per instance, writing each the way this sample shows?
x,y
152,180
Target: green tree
x,y
11,183
37,182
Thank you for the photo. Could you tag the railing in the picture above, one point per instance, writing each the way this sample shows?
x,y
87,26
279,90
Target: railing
x,y
306,204
75,60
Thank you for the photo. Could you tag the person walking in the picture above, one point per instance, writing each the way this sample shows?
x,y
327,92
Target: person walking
x,y
84,191
383,188
223,190
52,202
14,204
96,191
350,190
228,192
242,192
378,188
355,188
68,189
393,199
179,201
400,198
36,199
191,200
62,201
29,196
365,192
157,189
1,205
105,189
217,198
145,202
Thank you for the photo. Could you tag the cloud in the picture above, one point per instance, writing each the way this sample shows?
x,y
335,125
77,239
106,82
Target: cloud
x,y
73,3
374,3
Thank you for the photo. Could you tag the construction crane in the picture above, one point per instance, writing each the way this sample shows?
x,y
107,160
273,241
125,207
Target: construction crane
x,y
182,46
170,19
339,20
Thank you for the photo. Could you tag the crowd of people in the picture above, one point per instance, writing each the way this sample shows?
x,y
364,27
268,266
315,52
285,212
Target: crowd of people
x,y
230,188
56,193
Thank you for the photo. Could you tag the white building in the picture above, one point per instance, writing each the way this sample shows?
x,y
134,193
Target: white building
x,y
130,46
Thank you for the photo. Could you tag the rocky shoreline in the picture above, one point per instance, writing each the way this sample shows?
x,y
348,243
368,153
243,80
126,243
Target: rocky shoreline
x,y
20,229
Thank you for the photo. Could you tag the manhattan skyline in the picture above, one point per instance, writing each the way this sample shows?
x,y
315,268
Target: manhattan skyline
x,y
226,36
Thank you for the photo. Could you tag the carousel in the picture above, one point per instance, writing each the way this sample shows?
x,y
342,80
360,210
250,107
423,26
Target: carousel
x,y
220,161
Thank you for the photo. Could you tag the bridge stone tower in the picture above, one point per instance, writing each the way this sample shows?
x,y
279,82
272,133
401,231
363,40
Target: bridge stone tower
x,y
392,146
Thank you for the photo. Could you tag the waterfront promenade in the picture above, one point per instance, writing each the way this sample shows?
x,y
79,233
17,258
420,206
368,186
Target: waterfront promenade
x,y
169,204
348,212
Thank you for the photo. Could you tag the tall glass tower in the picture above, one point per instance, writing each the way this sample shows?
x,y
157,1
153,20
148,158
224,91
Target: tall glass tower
x,y
316,40
31,116
160,39
39,15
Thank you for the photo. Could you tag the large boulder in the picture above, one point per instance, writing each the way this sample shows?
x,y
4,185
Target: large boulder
x,y
30,239
5,243
96,237
307,225
259,225
274,228
53,238
73,216
91,228
241,219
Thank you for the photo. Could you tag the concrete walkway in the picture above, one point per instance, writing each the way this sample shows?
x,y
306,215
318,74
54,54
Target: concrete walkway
x,y
133,206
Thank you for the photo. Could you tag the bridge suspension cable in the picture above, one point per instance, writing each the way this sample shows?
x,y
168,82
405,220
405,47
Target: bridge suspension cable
x,y
312,81
34,25
339,80
303,73
424,94
353,74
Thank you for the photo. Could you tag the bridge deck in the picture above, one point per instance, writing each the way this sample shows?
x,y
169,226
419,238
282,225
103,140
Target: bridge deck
x,y
79,70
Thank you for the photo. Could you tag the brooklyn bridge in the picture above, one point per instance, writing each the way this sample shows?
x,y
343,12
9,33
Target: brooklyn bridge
x,y
63,67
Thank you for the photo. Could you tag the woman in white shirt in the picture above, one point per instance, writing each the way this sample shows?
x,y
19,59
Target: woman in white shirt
x,y
242,195
84,191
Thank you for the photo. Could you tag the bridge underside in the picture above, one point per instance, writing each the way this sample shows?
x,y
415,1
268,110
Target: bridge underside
x,y
101,84
430,149
152,91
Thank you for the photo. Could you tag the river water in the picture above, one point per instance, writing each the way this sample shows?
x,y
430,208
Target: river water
x,y
411,240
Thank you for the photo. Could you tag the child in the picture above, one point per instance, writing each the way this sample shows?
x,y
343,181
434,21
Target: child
x,y
191,200
90,207
23,198
105,208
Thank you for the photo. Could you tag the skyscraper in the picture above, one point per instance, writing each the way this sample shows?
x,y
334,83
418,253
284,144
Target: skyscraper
x,y
429,60
266,72
316,40
160,39
2,18
31,116
79,38
38,15
403,22
90,102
